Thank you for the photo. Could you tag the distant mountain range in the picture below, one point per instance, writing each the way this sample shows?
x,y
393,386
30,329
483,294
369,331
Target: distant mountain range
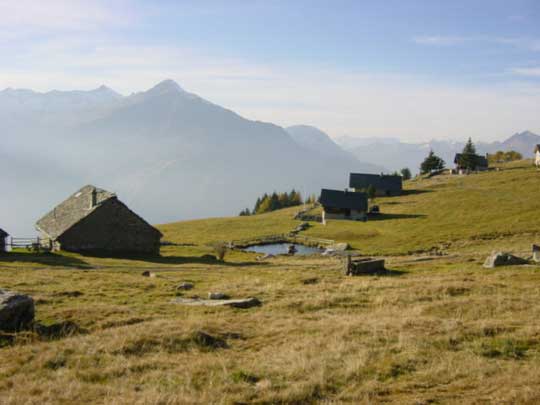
x,y
167,153
395,155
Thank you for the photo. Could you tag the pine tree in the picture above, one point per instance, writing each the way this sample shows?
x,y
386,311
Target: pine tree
x,y
284,200
406,173
274,202
468,158
431,162
295,198
265,205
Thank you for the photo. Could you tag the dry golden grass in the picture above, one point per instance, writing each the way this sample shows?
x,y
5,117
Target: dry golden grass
x,y
443,331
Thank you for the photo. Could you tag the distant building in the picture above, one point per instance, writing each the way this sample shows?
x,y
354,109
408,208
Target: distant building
x,y
3,236
481,163
384,184
94,220
537,155
343,205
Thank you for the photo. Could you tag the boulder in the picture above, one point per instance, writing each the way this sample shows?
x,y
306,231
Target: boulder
x,y
340,247
497,259
266,256
185,286
217,296
16,311
237,303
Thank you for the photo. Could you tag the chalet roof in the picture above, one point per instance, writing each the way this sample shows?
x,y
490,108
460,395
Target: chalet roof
x,y
343,199
537,148
379,181
3,233
480,160
72,210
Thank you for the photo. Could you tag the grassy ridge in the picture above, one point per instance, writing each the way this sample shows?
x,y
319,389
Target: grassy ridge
x,y
443,210
446,209
204,231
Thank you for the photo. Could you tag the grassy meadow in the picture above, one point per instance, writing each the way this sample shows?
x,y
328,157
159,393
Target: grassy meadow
x,y
436,329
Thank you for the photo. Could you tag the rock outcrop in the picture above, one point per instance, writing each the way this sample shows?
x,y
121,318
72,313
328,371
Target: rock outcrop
x,y
497,259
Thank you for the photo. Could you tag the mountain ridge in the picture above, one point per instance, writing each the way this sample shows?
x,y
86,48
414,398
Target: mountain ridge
x,y
167,153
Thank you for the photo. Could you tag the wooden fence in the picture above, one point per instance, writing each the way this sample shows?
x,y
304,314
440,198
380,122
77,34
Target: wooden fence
x,y
33,244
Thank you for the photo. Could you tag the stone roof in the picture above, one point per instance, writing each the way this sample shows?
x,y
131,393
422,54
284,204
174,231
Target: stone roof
x,y
344,199
72,210
379,181
481,161
3,233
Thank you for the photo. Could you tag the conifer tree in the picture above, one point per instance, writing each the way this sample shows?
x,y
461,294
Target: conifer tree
x,y
431,162
265,205
468,158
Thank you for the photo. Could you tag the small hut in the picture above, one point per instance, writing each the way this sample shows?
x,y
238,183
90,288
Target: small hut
x,y
384,184
94,220
343,205
3,236
537,156
481,163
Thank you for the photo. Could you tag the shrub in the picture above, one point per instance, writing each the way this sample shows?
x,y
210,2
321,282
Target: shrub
x,y
406,173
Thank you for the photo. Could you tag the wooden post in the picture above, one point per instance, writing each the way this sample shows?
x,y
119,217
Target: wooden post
x,y
347,265
536,253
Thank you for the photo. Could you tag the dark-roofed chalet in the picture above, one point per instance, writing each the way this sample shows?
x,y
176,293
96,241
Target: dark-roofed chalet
x,y
343,204
384,184
3,236
537,155
94,220
481,163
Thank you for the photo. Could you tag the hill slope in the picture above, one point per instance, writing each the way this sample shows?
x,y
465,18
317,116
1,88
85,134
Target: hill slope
x,y
444,212
437,329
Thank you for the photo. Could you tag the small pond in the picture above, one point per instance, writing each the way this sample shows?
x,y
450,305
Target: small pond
x,y
282,248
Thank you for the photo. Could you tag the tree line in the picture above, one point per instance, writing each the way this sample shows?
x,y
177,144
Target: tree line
x,y
276,201
468,159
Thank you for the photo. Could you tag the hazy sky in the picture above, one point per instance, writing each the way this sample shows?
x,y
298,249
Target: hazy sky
x,y
408,69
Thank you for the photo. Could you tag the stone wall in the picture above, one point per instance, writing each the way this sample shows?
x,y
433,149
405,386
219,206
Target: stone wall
x,y
355,216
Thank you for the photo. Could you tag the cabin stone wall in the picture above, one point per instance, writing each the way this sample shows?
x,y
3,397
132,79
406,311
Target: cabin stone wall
x,y
355,215
112,228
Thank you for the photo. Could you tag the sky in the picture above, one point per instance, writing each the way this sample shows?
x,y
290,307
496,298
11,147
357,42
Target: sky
x,y
414,70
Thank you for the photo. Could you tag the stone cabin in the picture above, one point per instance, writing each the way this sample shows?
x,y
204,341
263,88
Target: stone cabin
x,y
481,163
537,155
384,184
94,221
3,236
343,205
